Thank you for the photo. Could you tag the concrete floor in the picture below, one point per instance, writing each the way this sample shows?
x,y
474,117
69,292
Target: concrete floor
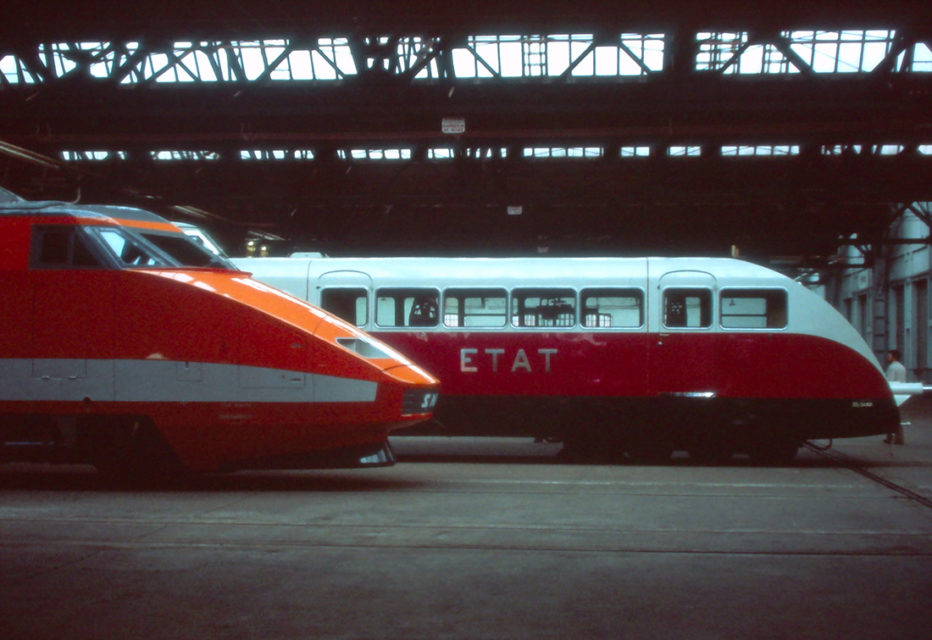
x,y
478,539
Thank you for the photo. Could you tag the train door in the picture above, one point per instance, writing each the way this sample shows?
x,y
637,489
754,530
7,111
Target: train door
x,y
72,316
345,294
683,358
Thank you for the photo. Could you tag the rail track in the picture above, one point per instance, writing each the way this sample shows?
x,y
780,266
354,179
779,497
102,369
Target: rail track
x,y
859,467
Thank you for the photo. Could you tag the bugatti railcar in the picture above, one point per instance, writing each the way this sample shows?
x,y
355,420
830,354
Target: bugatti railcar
x,y
641,355
125,344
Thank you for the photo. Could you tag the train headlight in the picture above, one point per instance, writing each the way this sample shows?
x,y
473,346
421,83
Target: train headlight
x,y
417,401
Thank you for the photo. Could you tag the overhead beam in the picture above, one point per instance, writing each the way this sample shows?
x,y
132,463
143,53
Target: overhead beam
x,y
797,109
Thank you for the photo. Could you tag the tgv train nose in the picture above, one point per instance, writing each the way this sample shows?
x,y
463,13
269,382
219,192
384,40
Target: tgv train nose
x,y
421,392
418,401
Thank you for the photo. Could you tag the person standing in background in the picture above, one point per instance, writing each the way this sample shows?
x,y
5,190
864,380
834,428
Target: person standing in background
x,y
896,372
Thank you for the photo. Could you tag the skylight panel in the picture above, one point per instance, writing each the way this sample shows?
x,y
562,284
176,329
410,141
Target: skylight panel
x,y
88,155
601,61
839,149
508,56
560,52
888,149
15,72
717,49
877,149
199,65
557,55
642,151
416,52
482,153
489,56
648,47
634,55
337,52
175,155
735,53
466,64
251,58
374,154
917,59
276,154
760,150
684,151
159,68
563,152
322,67
850,51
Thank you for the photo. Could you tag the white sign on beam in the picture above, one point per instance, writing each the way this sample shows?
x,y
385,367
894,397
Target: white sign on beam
x,y
453,126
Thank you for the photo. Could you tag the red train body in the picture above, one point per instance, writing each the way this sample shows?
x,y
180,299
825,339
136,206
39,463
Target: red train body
x,y
114,351
645,356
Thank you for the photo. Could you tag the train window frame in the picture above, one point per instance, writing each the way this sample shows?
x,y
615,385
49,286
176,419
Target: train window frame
x,y
75,243
706,309
361,293
460,294
404,316
519,316
611,292
776,319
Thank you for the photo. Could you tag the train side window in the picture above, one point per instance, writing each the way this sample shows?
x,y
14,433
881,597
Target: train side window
x,y
407,308
55,247
350,304
687,308
543,308
61,248
612,308
81,256
475,307
753,308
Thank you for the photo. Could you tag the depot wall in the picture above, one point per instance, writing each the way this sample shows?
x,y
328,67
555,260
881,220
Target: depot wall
x,y
889,304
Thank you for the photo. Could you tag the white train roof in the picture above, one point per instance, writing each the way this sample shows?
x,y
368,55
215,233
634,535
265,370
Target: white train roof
x,y
537,271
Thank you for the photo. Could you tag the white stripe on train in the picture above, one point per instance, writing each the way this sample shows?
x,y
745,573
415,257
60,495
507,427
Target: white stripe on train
x,y
102,380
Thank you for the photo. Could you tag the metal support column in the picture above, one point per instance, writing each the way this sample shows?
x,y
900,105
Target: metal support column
x,y
880,293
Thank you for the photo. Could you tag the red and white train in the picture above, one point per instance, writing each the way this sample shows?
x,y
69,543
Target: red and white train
x,y
643,356
125,344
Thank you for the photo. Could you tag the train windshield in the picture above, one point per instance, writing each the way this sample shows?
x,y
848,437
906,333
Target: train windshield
x,y
130,250
186,250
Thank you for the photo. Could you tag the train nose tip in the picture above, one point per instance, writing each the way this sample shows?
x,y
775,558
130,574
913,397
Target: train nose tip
x,y
418,401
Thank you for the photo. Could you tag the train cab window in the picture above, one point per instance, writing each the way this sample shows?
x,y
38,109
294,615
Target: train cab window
x,y
131,252
475,307
612,308
753,308
407,308
687,308
61,247
350,304
543,308
186,250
